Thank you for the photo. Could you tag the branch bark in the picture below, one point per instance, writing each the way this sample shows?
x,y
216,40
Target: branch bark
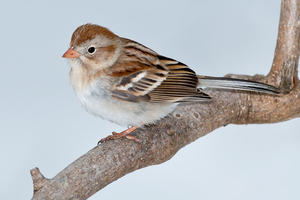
x,y
106,163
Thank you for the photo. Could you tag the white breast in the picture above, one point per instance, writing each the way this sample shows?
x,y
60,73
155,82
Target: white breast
x,y
96,99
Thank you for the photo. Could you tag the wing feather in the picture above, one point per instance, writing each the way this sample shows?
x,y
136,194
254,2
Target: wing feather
x,y
146,76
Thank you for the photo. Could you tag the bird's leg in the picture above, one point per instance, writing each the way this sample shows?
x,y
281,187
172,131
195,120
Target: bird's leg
x,y
120,135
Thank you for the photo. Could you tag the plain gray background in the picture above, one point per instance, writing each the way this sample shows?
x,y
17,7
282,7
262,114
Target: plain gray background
x,y
42,124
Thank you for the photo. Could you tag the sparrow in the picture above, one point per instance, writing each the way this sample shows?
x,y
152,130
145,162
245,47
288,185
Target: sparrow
x,y
129,84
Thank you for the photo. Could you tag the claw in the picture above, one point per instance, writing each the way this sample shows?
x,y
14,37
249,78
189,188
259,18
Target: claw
x,y
120,135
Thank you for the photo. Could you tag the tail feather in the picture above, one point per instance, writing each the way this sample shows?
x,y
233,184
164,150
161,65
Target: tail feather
x,y
238,84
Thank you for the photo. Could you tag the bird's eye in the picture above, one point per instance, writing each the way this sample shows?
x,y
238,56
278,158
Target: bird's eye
x,y
92,50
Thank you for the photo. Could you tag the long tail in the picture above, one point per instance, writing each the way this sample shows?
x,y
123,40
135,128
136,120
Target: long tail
x,y
238,84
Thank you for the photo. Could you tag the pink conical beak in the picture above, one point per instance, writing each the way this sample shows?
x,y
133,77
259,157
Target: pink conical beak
x,y
71,53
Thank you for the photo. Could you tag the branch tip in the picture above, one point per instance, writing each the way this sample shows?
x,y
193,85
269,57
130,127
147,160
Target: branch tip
x,y
38,179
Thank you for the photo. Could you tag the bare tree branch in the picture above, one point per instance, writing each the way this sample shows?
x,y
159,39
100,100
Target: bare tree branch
x,y
284,71
114,159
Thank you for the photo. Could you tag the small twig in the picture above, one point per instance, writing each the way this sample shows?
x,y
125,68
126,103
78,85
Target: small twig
x,y
38,179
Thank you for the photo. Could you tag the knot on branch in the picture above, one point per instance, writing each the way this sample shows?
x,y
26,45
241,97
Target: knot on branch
x,y
38,179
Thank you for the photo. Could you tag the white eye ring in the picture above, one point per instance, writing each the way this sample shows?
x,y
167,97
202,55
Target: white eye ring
x,y
91,50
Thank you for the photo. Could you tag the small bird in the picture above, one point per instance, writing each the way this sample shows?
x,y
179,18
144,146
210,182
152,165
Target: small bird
x,y
129,84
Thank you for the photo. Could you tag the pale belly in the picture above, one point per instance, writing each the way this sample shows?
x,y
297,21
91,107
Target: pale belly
x,y
97,100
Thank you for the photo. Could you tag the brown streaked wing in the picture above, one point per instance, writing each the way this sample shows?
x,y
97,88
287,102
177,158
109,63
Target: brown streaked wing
x,y
139,69
147,76
129,97
179,86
